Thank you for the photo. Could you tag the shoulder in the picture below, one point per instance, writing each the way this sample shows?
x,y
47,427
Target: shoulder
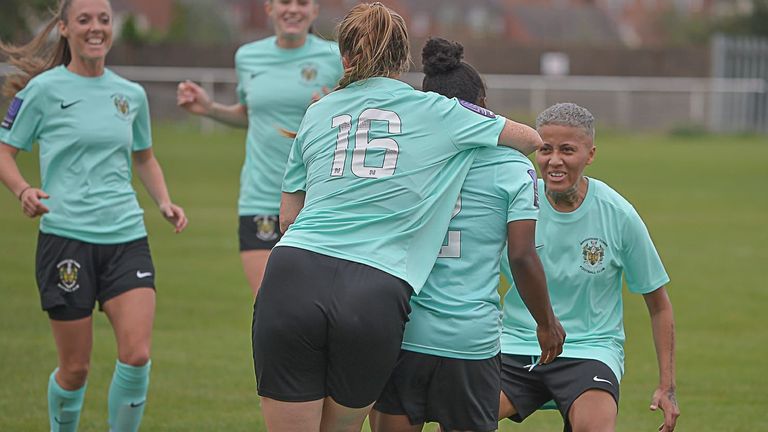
x,y
254,48
126,85
325,46
43,81
610,198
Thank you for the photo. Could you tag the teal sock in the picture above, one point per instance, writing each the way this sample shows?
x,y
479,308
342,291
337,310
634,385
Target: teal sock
x,y
128,396
64,406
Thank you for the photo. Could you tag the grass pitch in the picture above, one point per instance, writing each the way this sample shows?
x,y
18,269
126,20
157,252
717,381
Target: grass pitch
x,y
702,197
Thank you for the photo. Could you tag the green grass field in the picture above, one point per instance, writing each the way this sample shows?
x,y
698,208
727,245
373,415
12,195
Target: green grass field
x,y
703,199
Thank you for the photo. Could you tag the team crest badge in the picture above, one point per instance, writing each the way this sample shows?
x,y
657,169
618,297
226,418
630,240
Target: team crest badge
x,y
266,227
68,272
122,105
308,72
593,255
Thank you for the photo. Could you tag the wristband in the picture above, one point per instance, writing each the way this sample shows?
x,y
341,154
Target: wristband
x,y
23,190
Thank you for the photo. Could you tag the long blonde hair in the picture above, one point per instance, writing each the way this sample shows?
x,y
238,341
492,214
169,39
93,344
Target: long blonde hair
x,y
374,40
38,55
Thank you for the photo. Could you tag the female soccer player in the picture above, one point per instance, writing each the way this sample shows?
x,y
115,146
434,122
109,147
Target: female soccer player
x,y
588,237
278,77
448,369
90,124
375,171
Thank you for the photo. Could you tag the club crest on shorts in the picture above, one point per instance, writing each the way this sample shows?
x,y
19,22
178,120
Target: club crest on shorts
x,y
266,227
308,72
122,105
593,255
68,272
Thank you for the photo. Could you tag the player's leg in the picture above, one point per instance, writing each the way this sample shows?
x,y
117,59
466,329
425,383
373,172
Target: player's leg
x,y
593,411
65,278
284,416
367,318
522,389
128,298
402,406
290,338
132,315
586,392
258,235
66,385
254,265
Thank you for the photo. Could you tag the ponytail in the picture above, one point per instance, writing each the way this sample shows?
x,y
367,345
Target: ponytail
x,y
374,40
37,56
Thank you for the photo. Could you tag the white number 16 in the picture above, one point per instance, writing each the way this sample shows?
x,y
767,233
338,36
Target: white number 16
x,y
362,144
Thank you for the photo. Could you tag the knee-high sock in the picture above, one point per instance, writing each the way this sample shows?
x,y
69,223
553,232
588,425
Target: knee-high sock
x,y
64,406
128,396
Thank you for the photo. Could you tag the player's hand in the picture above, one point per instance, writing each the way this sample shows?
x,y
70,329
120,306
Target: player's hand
x,y
316,96
551,339
665,399
30,202
175,215
193,98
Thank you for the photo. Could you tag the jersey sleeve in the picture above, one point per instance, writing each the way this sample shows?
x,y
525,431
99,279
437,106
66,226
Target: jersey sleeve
x,y
21,124
295,178
142,129
469,125
519,183
241,96
643,268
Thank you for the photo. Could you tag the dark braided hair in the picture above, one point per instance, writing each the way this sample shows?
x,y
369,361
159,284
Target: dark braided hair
x,y
445,73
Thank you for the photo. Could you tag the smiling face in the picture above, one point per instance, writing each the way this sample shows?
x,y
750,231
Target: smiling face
x,y
88,29
567,150
292,18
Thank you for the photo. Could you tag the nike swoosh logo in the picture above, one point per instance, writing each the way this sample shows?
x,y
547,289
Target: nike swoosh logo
x,y
136,405
596,379
539,246
255,74
141,275
56,419
65,106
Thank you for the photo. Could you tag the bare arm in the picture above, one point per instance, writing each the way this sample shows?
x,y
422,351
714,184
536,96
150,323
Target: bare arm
x,y
21,189
521,137
195,100
663,327
531,283
290,206
151,175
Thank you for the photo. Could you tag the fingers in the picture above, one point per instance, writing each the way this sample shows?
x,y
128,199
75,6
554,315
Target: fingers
x,y
175,215
30,202
326,90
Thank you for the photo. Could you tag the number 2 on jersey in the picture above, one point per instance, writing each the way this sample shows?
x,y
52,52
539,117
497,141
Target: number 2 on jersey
x,y
363,143
453,248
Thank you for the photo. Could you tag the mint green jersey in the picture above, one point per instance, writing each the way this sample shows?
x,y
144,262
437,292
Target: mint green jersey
x,y
585,253
87,129
382,165
276,85
457,313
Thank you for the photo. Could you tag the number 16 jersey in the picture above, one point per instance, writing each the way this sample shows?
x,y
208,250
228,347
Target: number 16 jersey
x,y
382,165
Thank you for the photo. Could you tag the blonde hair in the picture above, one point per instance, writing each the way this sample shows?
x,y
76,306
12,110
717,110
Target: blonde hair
x,y
38,55
374,40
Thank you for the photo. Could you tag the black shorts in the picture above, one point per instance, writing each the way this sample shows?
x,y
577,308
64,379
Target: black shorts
x,y
259,232
73,275
324,326
458,394
529,386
